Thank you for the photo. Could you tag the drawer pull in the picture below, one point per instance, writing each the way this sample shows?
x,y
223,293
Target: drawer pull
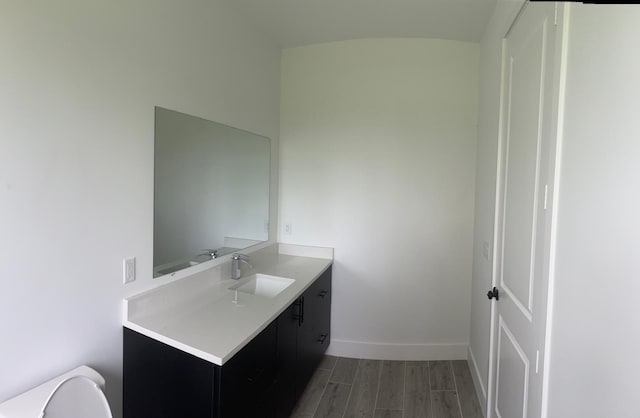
x,y
299,316
323,293
257,374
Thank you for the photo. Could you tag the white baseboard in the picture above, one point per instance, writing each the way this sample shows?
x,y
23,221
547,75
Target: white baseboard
x,y
377,351
477,382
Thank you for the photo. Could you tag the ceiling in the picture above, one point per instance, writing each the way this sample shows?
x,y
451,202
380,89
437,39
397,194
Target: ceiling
x,y
302,22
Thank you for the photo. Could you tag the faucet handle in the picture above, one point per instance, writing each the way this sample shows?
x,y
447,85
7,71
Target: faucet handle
x,y
210,252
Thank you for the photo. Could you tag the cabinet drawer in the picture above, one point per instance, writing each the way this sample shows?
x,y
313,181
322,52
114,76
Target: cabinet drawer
x,y
319,301
247,375
314,333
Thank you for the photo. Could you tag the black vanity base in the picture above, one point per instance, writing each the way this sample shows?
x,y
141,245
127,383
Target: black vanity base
x,y
264,379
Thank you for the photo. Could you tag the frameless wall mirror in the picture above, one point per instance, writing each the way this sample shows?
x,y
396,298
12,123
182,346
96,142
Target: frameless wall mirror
x,y
211,190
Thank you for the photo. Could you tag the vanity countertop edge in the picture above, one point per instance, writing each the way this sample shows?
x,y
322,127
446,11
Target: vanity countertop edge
x,y
197,315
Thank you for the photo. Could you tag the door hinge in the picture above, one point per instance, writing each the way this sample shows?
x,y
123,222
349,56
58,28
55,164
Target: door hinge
x,y
555,15
546,193
537,360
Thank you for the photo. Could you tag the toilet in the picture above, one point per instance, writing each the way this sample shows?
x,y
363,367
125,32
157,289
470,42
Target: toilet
x,y
75,394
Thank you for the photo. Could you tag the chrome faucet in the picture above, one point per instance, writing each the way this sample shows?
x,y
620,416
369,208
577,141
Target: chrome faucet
x,y
236,259
211,253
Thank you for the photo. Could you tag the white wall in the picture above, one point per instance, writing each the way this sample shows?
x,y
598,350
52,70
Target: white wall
x,y
378,160
485,191
79,81
595,338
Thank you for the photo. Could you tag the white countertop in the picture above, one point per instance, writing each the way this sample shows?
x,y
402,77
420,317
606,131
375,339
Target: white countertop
x,y
197,315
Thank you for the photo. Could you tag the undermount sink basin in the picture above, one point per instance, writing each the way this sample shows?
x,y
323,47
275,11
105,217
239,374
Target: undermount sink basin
x,y
263,285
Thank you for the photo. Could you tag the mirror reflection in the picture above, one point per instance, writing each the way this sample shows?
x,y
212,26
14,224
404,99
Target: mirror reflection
x,y
211,190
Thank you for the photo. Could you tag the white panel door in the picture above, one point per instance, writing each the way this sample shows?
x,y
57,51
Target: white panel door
x,y
527,161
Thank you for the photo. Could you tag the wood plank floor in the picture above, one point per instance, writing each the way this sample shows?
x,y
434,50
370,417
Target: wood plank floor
x,y
346,387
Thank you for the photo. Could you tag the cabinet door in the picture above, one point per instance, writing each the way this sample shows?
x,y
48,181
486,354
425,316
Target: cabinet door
x,y
163,382
288,322
248,376
266,404
315,329
321,306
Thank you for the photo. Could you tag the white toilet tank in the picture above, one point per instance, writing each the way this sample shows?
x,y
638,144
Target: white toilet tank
x,y
75,394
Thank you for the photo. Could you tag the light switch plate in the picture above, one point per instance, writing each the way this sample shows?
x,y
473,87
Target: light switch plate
x,y
128,270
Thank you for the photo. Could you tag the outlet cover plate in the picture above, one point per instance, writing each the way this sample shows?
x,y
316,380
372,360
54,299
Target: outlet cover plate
x,y
128,270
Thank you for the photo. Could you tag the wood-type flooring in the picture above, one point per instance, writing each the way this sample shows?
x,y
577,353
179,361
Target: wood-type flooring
x,y
346,387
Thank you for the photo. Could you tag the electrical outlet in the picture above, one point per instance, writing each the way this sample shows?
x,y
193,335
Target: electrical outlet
x,y
128,270
287,228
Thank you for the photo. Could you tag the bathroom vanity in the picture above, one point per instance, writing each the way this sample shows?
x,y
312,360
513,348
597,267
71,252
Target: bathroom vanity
x,y
209,346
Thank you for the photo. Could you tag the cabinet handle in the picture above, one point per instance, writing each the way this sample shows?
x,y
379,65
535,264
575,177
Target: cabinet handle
x,y
322,338
300,314
323,293
257,373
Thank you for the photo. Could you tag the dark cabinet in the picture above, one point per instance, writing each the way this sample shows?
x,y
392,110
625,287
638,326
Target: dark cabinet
x,y
303,337
264,379
243,380
315,329
162,381
286,360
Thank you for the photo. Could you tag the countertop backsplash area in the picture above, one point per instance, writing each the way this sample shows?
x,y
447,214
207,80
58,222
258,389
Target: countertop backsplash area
x,y
177,312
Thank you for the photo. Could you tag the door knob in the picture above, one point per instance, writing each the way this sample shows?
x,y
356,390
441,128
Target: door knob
x,y
493,293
